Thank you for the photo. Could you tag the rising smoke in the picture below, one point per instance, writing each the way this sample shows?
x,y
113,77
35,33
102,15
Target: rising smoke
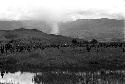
x,y
124,29
55,29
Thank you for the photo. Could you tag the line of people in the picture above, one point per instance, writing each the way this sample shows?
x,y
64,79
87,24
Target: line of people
x,y
17,46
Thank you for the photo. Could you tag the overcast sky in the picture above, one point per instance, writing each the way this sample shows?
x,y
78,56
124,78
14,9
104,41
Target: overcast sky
x,y
61,10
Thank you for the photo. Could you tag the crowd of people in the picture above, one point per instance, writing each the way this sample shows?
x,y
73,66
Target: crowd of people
x,y
20,46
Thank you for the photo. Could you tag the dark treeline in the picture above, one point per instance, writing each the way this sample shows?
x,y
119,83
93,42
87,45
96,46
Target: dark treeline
x,y
95,44
20,46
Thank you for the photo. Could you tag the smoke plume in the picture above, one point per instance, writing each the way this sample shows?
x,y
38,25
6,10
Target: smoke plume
x,y
124,29
55,29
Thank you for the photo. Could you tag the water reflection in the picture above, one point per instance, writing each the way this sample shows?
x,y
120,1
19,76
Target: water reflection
x,y
17,78
65,77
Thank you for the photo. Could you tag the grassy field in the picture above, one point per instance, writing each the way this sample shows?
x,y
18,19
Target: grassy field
x,y
66,57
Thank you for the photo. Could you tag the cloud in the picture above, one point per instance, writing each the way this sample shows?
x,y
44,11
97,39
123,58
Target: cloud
x,y
54,11
58,9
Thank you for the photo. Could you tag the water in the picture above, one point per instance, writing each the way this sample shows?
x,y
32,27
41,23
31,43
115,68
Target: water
x,y
64,77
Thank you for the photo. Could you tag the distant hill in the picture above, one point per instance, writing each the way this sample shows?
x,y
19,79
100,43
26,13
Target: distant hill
x,y
34,24
101,29
33,35
9,25
29,24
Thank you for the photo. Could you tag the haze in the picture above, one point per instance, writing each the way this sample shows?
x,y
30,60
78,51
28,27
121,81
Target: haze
x,y
54,11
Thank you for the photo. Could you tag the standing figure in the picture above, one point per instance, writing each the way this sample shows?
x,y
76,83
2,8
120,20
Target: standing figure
x,y
2,73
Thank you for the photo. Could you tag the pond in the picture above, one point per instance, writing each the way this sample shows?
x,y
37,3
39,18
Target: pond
x,y
63,77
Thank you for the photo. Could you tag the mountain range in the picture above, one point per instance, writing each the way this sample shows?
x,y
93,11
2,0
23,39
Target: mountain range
x,y
103,29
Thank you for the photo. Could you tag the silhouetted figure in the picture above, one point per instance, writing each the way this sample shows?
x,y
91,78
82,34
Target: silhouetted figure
x,y
88,48
2,73
74,41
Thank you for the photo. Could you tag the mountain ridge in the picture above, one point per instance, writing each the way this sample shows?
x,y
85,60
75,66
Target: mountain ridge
x,y
103,29
100,29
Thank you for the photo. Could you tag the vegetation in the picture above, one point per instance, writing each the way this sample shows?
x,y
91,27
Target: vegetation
x,y
34,49
90,55
99,77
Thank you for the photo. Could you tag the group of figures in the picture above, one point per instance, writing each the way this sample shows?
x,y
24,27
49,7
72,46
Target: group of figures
x,y
19,46
11,47
98,45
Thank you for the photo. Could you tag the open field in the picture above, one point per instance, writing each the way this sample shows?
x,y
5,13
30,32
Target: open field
x,y
86,56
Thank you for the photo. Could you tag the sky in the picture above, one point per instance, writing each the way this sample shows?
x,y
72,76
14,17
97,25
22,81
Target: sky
x,y
61,10
54,11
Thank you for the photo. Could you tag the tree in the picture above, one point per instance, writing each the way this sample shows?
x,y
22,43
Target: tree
x,y
93,41
74,41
